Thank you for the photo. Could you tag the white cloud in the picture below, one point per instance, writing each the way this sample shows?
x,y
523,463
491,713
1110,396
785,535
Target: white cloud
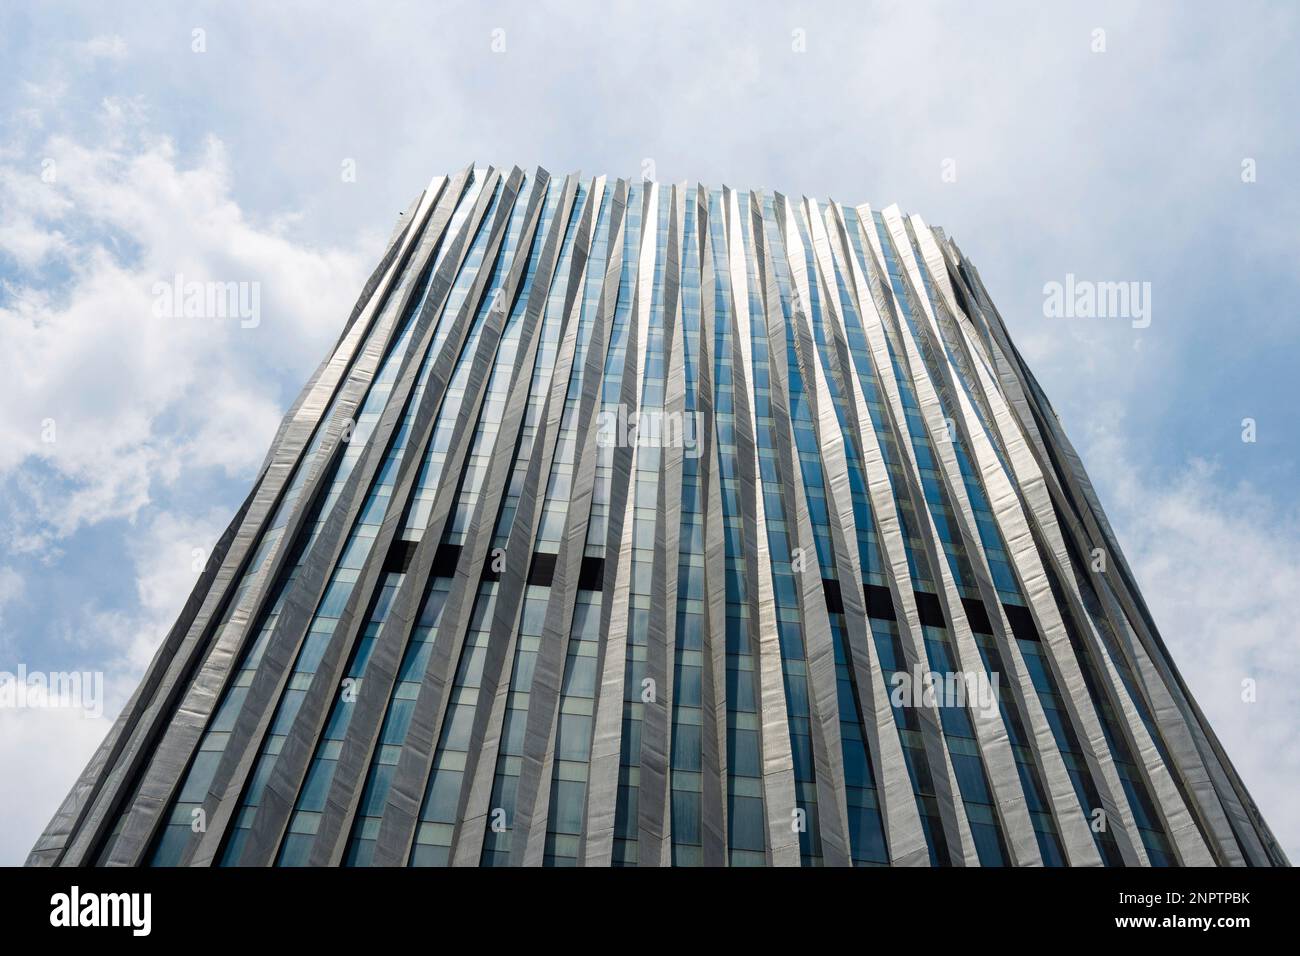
x,y
103,399
110,46
52,745
169,553
43,752
105,404
12,587
1219,567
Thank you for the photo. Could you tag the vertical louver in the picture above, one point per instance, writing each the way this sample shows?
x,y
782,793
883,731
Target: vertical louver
x,y
631,523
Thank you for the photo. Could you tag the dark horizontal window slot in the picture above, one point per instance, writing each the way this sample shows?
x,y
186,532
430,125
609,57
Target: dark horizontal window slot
x,y
977,615
542,573
592,575
880,603
834,600
1022,622
928,609
399,557
445,560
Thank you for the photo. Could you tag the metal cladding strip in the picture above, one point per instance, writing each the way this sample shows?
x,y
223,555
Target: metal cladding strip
x,y
485,736
286,779
1199,767
403,224
181,640
942,313
1135,613
304,594
982,328
888,309
713,678
897,573
1231,792
819,650
864,288
49,846
597,843
532,800
533,792
481,758
1172,806
363,729
1026,397
654,845
1179,824
614,570
1189,844
1004,501
48,849
401,229
1066,487
406,790
616,574
778,761
169,755
1204,779
1226,793
904,835
1029,568
991,733
937,440
293,763
1178,821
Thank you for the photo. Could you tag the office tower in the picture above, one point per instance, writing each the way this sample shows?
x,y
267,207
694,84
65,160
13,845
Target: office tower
x,y
631,523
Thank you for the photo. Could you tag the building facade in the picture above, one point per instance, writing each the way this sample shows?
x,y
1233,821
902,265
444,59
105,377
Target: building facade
x,y
631,523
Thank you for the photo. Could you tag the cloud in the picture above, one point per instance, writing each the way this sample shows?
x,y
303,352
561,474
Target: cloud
x,y
12,586
109,46
168,555
1218,563
43,752
51,745
105,400
118,423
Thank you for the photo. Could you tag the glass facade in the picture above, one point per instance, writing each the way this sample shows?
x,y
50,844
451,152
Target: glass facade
x,y
638,524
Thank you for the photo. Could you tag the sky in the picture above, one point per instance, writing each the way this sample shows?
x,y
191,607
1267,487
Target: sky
x,y
276,144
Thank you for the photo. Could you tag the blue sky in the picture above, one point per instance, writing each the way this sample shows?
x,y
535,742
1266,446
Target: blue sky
x,y
127,157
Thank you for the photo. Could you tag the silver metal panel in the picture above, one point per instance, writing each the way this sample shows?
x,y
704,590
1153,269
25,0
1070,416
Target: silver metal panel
x,y
976,397
406,791
994,743
606,746
1071,824
903,834
778,764
291,765
865,288
654,846
828,754
184,725
481,763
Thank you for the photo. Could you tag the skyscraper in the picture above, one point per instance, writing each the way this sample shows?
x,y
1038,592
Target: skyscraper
x,y
630,523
